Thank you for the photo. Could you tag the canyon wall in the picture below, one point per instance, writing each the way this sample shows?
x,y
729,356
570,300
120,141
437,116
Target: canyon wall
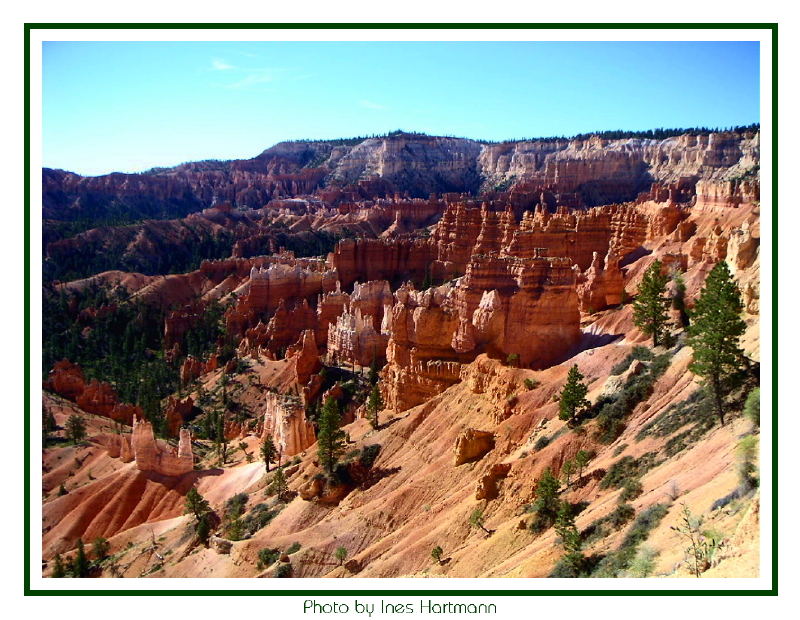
x,y
592,170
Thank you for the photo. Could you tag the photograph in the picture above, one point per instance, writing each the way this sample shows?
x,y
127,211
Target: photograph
x,y
329,306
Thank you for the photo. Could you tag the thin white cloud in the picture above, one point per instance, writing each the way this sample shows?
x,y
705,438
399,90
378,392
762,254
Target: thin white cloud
x,y
221,65
247,77
371,105
253,78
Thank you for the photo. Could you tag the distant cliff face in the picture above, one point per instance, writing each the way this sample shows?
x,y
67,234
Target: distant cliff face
x,y
417,164
594,170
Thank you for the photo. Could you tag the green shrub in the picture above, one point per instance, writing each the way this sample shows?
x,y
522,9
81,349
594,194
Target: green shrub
x,y
541,443
752,407
630,490
640,353
531,384
746,451
100,548
293,548
695,413
621,516
234,507
628,468
267,557
369,454
611,411
284,570
617,562
547,503
259,517
644,564
619,449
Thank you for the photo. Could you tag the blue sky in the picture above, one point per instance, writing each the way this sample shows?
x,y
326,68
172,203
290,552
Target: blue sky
x,y
111,106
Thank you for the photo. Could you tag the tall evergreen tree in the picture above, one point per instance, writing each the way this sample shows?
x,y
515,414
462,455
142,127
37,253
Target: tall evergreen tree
x,y
80,565
76,428
197,506
59,571
572,400
374,405
547,503
573,559
714,335
279,484
268,451
582,459
48,423
652,303
330,438
679,299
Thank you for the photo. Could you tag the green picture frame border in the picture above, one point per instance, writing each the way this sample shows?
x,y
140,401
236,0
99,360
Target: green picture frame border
x,y
28,27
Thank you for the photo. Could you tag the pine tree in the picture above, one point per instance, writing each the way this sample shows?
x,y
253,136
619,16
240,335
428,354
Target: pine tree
x,y
572,560
59,571
341,555
279,486
573,396
220,439
679,298
436,553
373,370
48,423
582,459
80,565
100,549
330,438
714,335
374,405
568,469
476,520
268,451
76,428
196,504
651,304
546,492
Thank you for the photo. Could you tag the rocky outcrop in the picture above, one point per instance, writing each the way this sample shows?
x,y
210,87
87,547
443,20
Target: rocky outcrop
x,y
304,357
727,193
602,285
596,170
603,171
472,445
487,486
66,379
525,308
286,423
290,320
158,457
193,368
421,362
269,287
177,412
97,397
353,339
329,306
380,259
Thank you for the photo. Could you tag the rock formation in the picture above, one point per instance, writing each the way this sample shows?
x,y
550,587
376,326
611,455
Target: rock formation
x,y
284,420
97,397
472,445
158,457
354,339
602,285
